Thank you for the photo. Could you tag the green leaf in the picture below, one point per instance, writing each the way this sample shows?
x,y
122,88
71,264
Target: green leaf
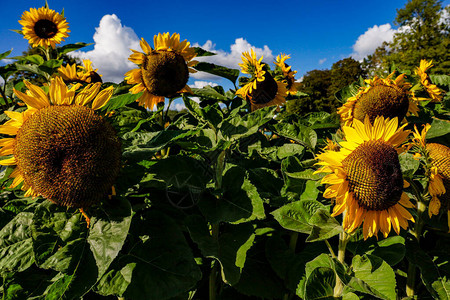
x,y
323,226
119,101
208,92
442,80
237,127
201,52
369,269
320,284
438,128
5,54
145,144
408,164
108,232
16,247
230,74
160,262
230,249
391,250
211,115
35,59
302,134
240,201
435,283
297,215
71,47
30,68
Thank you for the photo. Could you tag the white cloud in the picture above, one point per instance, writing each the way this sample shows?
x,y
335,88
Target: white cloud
x,y
372,39
201,84
179,106
112,48
232,58
321,61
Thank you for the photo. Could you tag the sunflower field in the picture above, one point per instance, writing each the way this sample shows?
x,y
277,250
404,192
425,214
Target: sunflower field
x,y
106,194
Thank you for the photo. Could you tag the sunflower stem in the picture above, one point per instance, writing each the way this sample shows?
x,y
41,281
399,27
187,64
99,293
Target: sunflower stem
x,y
292,246
343,240
333,255
214,265
416,232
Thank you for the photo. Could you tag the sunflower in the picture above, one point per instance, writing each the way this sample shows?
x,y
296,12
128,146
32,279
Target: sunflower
x,y
386,97
85,73
288,75
60,147
435,93
439,187
365,177
44,27
262,89
163,71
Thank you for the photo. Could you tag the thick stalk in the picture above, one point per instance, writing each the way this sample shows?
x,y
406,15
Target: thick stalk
x,y
417,232
292,246
214,266
220,165
343,240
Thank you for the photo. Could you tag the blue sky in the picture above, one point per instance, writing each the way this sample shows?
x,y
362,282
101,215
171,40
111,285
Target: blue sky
x,y
315,33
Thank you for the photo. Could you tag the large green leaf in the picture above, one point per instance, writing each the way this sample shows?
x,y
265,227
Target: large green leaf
x,y
301,134
108,231
369,269
436,283
5,54
16,247
230,74
211,114
230,249
159,265
71,47
237,127
121,100
438,128
240,200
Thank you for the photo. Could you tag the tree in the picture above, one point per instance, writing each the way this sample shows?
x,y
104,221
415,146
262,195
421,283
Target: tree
x,y
424,33
343,73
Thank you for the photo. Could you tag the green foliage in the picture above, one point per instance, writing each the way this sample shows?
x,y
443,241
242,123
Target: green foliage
x,y
221,202
426,37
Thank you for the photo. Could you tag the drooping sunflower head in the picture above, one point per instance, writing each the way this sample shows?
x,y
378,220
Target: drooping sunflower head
x,y
435,93
163,71
44,27
365,177
61,148
390,98
288,76
262,89
439,186
79,74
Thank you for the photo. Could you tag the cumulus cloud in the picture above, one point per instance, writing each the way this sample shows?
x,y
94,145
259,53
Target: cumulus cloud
x,y
231,58
372,39
201,84
112,48
321,61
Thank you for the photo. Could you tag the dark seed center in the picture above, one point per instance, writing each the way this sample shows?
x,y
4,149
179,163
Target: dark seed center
x,y
45,29
164,73
265,91
68,154
382,100
374,175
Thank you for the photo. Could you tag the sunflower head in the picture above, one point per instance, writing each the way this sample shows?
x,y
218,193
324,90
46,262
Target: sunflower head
x,y
79,74
288,76
440,159
390,98
44,27
365,177
435,93
163,71
62,149
262,89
